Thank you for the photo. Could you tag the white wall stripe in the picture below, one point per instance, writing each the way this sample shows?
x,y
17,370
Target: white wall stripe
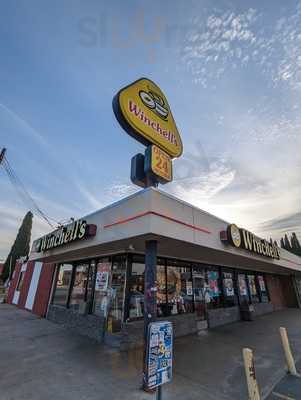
x,y
33,285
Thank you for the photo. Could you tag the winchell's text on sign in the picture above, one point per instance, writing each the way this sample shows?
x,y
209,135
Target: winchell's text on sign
x,y
66,234
241,238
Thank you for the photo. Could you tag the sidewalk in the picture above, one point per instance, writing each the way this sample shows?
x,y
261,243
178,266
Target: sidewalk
x,y
42,360
289,388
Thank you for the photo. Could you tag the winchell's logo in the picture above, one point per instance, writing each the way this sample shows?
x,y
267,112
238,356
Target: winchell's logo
x,y
155,102
143,111
234,235
70,233
241,238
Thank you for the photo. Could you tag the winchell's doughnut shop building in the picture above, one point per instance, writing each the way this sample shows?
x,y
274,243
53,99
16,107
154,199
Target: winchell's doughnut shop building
x,y
92,275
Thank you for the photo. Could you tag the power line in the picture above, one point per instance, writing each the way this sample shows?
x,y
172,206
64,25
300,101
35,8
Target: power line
x,y
22,191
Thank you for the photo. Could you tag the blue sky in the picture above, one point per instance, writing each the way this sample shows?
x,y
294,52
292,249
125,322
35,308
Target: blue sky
x,y
230,69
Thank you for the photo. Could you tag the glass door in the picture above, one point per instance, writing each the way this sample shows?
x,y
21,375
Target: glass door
x,y
199,292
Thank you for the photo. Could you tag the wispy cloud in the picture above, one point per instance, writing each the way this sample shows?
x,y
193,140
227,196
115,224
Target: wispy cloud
x,y
225,36
27,128
231,40
285,224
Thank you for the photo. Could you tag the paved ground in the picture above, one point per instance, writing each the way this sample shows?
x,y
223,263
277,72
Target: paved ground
x,y
41,360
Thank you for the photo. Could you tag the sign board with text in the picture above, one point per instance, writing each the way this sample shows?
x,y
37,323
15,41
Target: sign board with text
x,y
159,163
143,111
159,354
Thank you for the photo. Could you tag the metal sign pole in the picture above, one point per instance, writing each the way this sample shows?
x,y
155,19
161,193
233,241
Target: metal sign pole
x,y
150,298
159,393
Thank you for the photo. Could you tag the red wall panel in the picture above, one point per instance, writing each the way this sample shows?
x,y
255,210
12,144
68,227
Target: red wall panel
x,y
43,290
13,282
26,284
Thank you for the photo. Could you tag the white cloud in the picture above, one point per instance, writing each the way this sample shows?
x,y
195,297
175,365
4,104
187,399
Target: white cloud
x,y
233,39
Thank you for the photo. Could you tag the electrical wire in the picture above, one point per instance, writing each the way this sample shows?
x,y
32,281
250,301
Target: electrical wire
x,y
24,194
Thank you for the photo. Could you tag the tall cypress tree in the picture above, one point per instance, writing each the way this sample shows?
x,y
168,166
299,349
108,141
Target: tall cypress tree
x,y
20,248
287,244
282,243
296,247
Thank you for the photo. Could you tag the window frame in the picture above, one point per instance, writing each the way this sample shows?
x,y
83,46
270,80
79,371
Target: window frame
x,y
20,281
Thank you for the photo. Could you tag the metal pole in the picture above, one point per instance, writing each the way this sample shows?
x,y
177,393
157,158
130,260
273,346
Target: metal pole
x,y
159,393
150,294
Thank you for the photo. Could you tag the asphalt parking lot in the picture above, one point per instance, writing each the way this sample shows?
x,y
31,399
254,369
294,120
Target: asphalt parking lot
x,y
42,360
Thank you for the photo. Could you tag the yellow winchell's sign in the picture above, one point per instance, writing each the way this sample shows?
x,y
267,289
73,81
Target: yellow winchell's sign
x,y
143,111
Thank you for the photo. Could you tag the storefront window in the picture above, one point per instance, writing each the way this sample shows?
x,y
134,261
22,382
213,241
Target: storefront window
x,y
21,280
162,306
179,290
136,303
100,302
253,288
263,290
117,293
62,284
78,293
199,282
230,298
242,288
212,291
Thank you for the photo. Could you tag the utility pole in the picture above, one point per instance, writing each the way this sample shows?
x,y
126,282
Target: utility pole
x,y
150,294
2,154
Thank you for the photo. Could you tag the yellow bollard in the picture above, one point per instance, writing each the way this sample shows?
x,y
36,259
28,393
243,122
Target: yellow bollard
x,y
253,389
287,351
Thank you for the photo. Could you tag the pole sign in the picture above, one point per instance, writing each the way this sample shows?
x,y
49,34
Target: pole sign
x,y
159,354
143,111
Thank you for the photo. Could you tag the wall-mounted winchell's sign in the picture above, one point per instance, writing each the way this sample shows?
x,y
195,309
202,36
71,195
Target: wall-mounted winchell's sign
x,y
159,163
66,234
143,111
241,238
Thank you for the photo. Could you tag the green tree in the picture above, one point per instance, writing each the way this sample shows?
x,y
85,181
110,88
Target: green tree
x,y
20,248
282,243
287,244
296,247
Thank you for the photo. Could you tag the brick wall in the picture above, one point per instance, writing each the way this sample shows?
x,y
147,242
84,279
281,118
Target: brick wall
x,y
281,290
223,316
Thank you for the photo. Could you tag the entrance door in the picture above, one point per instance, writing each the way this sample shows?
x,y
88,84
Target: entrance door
x,y
19,285
199,294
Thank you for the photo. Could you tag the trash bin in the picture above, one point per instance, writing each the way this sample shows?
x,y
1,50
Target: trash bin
x,y
247,312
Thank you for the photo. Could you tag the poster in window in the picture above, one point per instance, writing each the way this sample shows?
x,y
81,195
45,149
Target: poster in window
x,y
213,284
242,285
228,285
252,285
102,280
207,295
261,283
189,291
102,276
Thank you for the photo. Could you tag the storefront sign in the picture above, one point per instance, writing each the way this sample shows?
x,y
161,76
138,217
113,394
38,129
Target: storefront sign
x,y
143,111
241,238
159,354
78,230
159,163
